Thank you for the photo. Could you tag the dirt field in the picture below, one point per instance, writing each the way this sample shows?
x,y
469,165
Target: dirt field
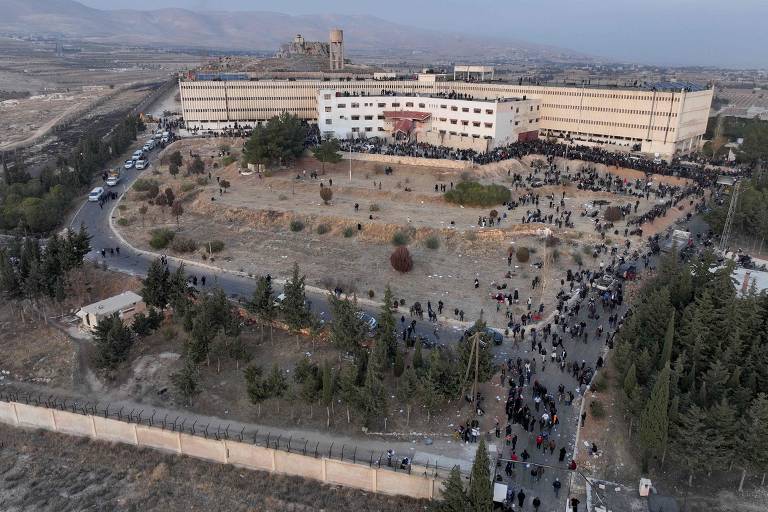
x,y
254,215
42,471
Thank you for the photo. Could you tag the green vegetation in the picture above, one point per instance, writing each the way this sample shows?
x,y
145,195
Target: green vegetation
x,y
327,151
161,238
280,141
113,341
522,254
214,246
693,355
753,131
296,225
400,238
323,229
432,242
472,193
182,244
751,214
27,203
348,232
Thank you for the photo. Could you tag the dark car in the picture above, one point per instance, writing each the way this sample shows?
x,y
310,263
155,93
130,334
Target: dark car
x,y
487,334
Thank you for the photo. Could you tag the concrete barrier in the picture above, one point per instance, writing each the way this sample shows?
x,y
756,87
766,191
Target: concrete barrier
x,y
240,454
72,423
298,465
249,456
113,430
31,416
160,439
349,475
208,449
410,160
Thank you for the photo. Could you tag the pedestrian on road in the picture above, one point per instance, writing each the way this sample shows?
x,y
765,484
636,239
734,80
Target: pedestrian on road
x,y
202,280
556,486
117,250
521,498
562,454
536,504
575,504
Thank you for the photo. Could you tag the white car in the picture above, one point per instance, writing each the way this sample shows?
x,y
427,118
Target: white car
x,y
113,180
150,143
95,194
138,154
142,163
129,164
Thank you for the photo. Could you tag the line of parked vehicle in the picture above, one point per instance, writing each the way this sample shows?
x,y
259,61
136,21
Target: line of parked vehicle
x,y
139,161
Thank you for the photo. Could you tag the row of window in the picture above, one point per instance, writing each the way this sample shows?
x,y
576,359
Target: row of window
x,y
616,110
609,123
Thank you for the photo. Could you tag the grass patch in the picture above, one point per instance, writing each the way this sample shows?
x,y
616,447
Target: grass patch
x,y
432,242
400,238
348,232
374,208
143,184
186,187
472,193
296,226
323,229
215,246
122,221
182,245
597,409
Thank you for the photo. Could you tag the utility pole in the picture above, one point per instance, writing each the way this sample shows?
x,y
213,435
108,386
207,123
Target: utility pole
x,y
727,227
474,358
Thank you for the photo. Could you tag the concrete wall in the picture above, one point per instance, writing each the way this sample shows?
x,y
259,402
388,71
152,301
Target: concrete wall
x,y
245,455
410,160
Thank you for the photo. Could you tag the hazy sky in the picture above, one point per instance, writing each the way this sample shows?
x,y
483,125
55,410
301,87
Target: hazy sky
x,y
719,32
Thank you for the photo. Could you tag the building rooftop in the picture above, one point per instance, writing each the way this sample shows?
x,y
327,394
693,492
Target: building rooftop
x,y
112,304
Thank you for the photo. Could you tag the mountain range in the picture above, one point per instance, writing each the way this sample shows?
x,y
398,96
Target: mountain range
x,y
255,31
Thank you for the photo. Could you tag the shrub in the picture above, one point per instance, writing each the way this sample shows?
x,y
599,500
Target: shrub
x,y
215,246
227,160
401,259
326,194
202,181
296,225
373,208
612,214
473,193
161,238
186,187
400,238
282,197
600,382
144,185
493,214
181,244
577,258
371,294
522,254
596,409
323,229
122,221
122,207
552,241
348,232
169,333
432,242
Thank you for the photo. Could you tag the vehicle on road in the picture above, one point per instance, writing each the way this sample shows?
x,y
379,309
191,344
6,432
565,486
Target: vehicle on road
x,y
129,164
605,283
137,155
142,163
369,321
96,194
487,334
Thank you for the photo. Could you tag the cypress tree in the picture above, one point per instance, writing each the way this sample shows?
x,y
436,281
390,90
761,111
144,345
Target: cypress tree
x,y
480,494
155,286
669,338
630,381
294,305
399,363
418,361
386,325
756,434
454,497
654,421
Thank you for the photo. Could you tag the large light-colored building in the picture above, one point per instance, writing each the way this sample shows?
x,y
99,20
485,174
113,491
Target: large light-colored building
x,y
441,120
665,118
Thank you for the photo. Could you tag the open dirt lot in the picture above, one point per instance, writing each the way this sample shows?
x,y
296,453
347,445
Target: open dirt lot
x,y
42,471
254,215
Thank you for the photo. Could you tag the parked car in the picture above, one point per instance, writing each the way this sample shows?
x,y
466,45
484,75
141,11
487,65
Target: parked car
x,y
142,163
113,180
129,164
487,334
95,194
369,321
138,154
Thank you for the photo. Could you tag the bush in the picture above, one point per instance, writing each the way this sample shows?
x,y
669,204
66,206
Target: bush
x,y
612,214
296,225
522,254
282,197
186,187
400,238
348,232
202,181
401,259
144,185
600,382
596,409
371,294
323,229
493,214
181,244
161,238
215,246
432,242
374,207
577,258
228,160
122,221
552,241
326,194
473,193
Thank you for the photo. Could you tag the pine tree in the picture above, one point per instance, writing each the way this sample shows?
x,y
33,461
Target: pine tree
x,y
480,494
178,292
294,306
454,497
387,324
348,388
756,434
722,430
428,395
669,338
187,380
630,381
262,304
347,328
10,284
654,421
373,397
155,290
689,448
418,361
407,391
399,367
328,390
113,342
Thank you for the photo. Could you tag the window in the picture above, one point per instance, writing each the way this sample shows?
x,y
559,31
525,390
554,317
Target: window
x,y
488,125
394,105
368,118
489,111
453,121
368,129
355,105
454,109
381,105
465,123
476,111
475,123
341,105
328,121
465,109
409,104
355,118
443,106
355,129
327,109
517,123
326,96
380,117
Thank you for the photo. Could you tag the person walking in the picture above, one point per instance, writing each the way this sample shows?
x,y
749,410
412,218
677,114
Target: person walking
x,y
575,504
520,498
556,485
536,504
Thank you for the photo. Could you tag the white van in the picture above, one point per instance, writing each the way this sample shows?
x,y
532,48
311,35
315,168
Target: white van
x,y
95,194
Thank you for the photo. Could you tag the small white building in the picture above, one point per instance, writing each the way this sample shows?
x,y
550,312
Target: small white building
x,y
126,305
450,120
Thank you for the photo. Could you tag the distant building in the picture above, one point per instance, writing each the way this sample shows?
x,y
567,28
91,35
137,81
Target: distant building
x,y
126,305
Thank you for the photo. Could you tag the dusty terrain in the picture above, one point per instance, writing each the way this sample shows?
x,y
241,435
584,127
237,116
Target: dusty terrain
x,y
42,471
254,215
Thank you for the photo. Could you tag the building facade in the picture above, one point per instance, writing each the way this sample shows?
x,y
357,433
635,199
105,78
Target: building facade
x,y
442,120
668,119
